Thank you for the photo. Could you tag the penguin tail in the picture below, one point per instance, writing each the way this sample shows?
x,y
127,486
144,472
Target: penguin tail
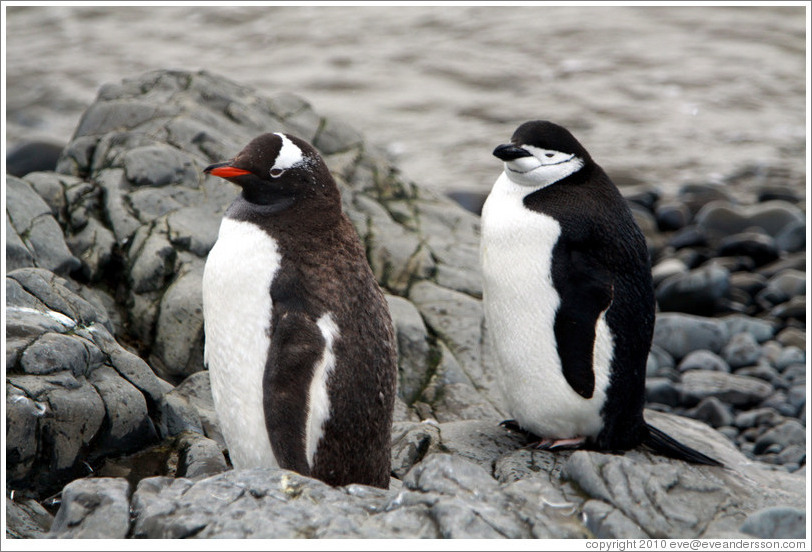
x,y
665,445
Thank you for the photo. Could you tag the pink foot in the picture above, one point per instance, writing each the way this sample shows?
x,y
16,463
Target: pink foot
x,y
553,444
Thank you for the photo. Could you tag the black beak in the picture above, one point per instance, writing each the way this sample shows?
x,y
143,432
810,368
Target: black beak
x,y
509,152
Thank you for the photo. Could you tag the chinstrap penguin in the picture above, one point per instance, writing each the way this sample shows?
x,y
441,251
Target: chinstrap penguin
x,y
298,338
568,298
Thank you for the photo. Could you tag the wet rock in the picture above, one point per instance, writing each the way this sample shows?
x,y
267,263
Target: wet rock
x,y
662,391
703,360
93,509
713,412
792,337
776,523
721,218
34,238
671,215
792,238
199,456
26,519
74,394
741,350
761,330
790,432
666,268
783,286
30,156
607,522
414,350
794,308
696,292
761,248
690,236
740,391
679,334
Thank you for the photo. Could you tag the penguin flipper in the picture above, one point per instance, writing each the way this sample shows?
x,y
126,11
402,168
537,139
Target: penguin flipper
x,y
296,347
663,444
586,292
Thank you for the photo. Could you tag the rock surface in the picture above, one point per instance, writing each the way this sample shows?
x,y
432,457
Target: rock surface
x,y
106,390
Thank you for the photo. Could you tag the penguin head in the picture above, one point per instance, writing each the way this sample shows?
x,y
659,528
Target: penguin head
x,y
278,169
541,153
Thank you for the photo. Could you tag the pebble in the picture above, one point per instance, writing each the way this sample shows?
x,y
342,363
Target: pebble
x,y
741,350
697,292
703,360
759,247
671,215
790,432
740,391
678,334
713,412
792,238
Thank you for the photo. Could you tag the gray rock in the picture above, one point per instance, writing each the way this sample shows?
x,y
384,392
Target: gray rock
x,y
759,247
128,426
790,432
792,337
679,334
158,165
723,218
178,350
697,292
74,394
740,391
414,347
26,519
93,509
668,499
789,356
761,330
196,392
670,266
176,416
607,522
34,236
671,215
783,286
199,456
713,412
741,350
794,308
662,391
776,523
792,237
703,360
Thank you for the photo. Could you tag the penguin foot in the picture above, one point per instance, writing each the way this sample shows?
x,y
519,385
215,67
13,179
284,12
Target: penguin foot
x,y
512,425
556,444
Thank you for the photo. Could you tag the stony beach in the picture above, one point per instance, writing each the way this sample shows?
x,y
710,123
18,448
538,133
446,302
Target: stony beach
x,y
110,427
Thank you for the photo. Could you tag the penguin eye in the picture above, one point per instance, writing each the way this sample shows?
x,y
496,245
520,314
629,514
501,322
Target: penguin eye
x,y
276,173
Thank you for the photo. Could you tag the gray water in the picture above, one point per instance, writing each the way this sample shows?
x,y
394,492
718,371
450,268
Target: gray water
x,y
662,95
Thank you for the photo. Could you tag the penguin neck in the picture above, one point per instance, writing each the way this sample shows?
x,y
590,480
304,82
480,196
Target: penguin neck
x,y
289,215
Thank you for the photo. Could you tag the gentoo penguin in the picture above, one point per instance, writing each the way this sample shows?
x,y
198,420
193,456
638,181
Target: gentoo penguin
x,y
568,298
299,340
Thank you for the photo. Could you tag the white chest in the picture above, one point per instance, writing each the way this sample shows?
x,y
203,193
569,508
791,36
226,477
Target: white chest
x,y
520,305
237,314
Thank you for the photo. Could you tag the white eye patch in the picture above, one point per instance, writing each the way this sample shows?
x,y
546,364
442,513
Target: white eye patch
x,y
289,156
543,167
548,157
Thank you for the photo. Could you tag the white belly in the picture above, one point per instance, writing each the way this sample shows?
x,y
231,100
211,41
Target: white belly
x,y
237,311
520,305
